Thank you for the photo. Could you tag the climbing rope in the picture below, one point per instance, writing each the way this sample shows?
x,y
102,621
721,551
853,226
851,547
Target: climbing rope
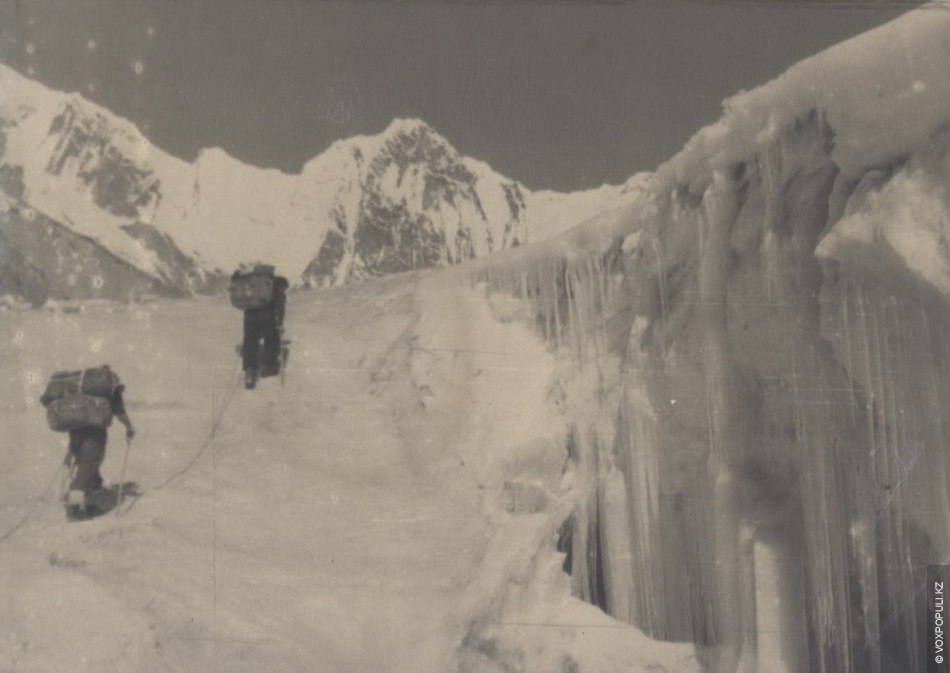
x,y
56,475
215,423
62,474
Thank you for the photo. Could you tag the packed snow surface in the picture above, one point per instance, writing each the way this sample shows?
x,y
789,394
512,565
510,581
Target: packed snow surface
x,y
392,506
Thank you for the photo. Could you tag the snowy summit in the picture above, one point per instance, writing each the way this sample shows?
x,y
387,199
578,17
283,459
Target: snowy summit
x,y
368,206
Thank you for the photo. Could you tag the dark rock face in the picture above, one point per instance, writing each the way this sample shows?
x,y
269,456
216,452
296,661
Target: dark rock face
x,y
117,185
41,259
401,201
517,206
178,270
405,227
390,239
11,181
4,124
329,258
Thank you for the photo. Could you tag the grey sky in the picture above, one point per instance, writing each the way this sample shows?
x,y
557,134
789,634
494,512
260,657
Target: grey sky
x,y
559,96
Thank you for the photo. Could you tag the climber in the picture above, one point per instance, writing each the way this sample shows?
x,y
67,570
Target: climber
x,y
83,403
263,297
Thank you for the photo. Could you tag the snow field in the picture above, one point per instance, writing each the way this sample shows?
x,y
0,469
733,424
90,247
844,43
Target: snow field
x,y
393,507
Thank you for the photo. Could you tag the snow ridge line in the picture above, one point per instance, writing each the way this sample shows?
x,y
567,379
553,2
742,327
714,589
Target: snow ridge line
x,y
215,424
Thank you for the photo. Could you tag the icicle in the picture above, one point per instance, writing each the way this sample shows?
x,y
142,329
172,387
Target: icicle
x,y
746,434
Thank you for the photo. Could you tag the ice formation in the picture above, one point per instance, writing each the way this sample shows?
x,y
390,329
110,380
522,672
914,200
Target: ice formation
x,y
759,357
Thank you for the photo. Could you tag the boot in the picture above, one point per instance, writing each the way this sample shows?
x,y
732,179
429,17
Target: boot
x,y
93,504
250,379
75,505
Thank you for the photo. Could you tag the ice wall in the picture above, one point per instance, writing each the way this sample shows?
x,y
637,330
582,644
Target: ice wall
x,y
758,367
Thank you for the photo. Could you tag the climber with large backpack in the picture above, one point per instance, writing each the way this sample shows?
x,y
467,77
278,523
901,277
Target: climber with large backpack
x,y
83,404
262,296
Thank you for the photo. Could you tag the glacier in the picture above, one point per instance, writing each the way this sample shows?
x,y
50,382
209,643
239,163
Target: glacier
x,y
702,431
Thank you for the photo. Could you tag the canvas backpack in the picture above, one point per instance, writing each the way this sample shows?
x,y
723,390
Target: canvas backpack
x,y
252,289
80,399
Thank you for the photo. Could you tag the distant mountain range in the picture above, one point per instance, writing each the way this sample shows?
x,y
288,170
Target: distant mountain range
x,y
90,208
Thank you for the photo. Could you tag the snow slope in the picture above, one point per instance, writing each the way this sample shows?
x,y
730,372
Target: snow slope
x,y
393,507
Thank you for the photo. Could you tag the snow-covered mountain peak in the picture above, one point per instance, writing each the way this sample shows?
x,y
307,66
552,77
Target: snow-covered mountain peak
x,y
408,142
410,126
213,155
405,141
395,201
16,90
364,147
23,100
217,165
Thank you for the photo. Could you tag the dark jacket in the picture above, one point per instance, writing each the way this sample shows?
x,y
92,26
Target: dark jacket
x,y
280,299
274,312
262,330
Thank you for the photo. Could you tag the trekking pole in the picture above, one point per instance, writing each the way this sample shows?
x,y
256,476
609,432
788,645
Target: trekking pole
x,y
125,462
282,355
69,463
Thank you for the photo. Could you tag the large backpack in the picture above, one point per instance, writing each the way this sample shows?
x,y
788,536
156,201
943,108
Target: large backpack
x,y
80,399
252,289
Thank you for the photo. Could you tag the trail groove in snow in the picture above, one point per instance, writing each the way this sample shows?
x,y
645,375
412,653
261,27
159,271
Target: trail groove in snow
x,y
384,509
